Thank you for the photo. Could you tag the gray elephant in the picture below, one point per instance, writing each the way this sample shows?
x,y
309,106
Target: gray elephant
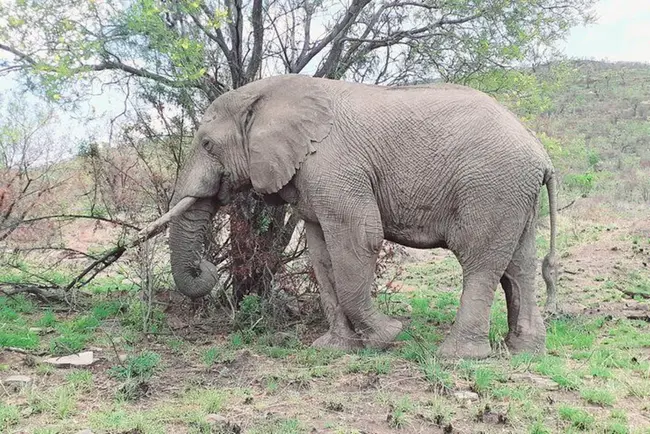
x,y
423,166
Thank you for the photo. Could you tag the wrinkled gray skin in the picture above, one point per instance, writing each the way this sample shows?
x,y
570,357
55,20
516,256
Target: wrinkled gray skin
x,y
422,166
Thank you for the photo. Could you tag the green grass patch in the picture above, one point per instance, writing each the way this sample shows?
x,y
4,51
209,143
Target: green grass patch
x,y
209,400
60,402
380,365
637,285
18,337
572,334
47,320
316,357
278,426
9,416
439,379
555,369
517,392
80,379
577,417
483,377
142,366
598,396
213,355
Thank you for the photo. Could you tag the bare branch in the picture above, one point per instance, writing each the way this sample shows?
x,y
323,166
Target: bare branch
x,y
346,21
81,216
258,38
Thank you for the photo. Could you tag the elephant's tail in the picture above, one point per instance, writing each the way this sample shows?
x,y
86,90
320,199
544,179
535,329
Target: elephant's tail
x,y
549,265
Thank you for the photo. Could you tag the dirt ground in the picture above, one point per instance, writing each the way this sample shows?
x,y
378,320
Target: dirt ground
x,y
210,379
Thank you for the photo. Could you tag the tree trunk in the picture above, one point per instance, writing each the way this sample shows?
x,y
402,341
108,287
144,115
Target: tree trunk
x,y
257,234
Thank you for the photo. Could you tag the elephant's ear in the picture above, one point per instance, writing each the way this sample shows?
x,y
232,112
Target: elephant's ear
x,y
282,127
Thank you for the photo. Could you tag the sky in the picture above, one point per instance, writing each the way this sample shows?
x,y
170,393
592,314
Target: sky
x,y
621,33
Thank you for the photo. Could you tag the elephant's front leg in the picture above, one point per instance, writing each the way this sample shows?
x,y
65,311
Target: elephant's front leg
x,y
340,334
353,243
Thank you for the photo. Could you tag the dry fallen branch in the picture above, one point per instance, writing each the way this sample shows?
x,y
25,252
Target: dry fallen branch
x,y
23,351
49,293
44,293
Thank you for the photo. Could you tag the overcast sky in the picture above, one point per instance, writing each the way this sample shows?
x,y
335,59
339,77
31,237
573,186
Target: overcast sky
x,y
621,33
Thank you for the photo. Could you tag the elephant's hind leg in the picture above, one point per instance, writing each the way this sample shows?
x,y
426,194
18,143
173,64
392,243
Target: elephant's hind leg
x,y
526,331
340,334
468,338
484,260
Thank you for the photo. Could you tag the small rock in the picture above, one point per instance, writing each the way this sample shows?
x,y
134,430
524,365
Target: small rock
x,y
84,431
541,382
36,330
215,418
26,412
81,359
222,424
17,382
466,395
122,357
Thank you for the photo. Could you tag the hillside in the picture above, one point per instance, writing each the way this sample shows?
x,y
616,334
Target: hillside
x,y
598,130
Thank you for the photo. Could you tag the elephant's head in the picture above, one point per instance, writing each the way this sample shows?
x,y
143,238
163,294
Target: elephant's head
x,y
257,135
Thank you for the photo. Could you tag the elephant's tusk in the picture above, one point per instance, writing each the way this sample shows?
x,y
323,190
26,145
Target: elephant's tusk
x,y
182,206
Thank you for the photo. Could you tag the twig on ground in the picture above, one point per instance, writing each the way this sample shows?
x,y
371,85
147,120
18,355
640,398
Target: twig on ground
x,y
566,206
24,351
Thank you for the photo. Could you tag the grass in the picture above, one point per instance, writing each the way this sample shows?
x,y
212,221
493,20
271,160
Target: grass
x,y
373,364
266,381
279,426
578,418
598,396
137,366
210,401
597,359
9,416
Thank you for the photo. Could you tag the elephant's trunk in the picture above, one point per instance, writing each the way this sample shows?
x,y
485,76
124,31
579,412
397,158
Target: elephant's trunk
x,y
194,276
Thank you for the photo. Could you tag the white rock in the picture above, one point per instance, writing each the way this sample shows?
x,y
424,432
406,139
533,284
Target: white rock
x,y
215,418
81,359
17,382
466,395
538,381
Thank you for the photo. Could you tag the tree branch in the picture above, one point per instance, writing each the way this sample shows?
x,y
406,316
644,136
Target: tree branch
x,y
81,216
258,39
348,19
22,56
110,65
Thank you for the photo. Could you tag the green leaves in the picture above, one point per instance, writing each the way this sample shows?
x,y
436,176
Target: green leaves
x,y
530,94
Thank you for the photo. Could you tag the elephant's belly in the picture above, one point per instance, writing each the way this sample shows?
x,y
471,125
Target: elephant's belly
x,y
418,238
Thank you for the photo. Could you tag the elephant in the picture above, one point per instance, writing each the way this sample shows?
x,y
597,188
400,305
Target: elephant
x,y
424,166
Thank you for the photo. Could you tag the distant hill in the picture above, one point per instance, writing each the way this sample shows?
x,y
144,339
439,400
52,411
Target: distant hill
x,y
597,129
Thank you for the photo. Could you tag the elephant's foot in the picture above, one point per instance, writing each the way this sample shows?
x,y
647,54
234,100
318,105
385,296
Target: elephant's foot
x,y
342,340
382,333
533,343
468,348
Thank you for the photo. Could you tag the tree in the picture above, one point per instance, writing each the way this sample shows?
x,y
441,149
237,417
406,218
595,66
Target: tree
x,y
27,152
185,53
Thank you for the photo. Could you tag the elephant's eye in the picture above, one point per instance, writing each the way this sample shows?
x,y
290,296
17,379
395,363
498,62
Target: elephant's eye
x,y
206,145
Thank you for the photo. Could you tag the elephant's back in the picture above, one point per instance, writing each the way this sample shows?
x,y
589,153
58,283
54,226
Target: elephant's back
x,y
433,122
440,147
